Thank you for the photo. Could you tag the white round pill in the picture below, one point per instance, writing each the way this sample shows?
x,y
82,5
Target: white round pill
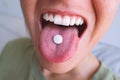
x,y
58,39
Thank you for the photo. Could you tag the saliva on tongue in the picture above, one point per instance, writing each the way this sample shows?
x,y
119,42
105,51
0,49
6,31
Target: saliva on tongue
x,y
53,52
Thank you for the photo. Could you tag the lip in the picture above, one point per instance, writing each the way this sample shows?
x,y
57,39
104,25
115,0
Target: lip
x,y
69,13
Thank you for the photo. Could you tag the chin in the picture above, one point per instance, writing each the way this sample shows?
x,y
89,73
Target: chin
x,y
64,66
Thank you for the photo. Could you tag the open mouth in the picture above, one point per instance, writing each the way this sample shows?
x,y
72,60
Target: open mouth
x,y
64,22
70,28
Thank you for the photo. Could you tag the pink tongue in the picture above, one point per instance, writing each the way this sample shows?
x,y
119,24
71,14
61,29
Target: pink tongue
x,y
58,52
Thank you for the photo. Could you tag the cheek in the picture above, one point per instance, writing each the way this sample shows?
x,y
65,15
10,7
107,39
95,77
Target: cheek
x,y
105,11
28,8
105,8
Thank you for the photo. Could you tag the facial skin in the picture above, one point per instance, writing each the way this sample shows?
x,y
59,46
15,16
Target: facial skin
x,y
98,15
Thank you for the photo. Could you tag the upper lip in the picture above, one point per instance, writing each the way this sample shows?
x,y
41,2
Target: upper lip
x,y
63,12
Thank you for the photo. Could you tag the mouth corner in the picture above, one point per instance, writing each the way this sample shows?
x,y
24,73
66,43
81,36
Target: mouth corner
x,y
82,29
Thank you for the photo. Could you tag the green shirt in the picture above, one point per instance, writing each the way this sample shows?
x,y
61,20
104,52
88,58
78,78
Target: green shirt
x,y
18,62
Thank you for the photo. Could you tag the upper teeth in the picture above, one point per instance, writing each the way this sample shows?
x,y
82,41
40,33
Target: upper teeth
x,y
63,20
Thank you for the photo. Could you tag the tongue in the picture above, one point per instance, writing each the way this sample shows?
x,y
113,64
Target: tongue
x,y
58,52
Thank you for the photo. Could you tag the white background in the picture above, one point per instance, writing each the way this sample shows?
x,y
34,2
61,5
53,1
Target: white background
x,y
12,24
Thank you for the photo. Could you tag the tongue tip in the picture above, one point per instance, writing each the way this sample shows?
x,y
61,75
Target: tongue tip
x,y
57,59
60,60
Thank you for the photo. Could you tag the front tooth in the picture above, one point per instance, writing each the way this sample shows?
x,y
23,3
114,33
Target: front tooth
x,y
78,21
82,21
46,16
58,19
51,19
73,20
66,21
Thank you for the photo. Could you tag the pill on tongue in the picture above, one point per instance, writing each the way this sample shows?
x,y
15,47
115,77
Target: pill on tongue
x,y
57,39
